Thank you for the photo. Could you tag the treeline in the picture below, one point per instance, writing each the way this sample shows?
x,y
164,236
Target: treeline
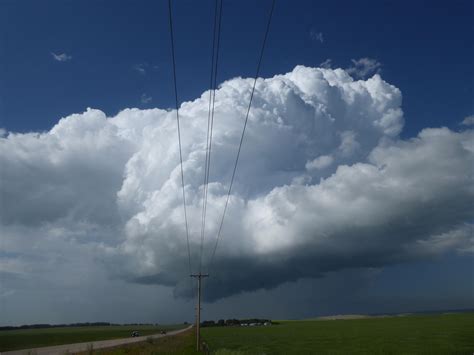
x,y
236,322
88,324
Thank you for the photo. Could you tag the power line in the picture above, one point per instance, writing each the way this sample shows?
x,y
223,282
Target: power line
x,y
179,132
243,133
207,135
210,118
210,124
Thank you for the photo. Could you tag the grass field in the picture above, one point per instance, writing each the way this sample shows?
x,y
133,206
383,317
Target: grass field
x,y
33,338
182,344
429,334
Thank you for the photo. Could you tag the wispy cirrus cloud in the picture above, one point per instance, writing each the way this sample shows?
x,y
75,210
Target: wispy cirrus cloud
x,y
468,121
364,67
145,68
327,64
316,36
141,68
62,57
145,99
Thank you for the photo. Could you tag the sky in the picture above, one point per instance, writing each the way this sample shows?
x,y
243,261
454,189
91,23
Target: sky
x,y
353,193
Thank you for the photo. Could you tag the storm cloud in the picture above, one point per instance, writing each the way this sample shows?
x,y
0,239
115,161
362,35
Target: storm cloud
x,y
324,183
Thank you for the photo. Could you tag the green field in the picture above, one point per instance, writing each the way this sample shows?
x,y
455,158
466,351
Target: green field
x,y
33,338
182,344
428,334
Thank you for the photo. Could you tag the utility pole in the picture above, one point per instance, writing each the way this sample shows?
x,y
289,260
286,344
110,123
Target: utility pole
x,y
198,310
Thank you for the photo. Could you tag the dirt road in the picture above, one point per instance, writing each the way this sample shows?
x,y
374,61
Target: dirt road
x,y
78,347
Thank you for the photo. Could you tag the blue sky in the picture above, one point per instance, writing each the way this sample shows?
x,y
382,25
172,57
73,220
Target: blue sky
x,y
425,49
333,205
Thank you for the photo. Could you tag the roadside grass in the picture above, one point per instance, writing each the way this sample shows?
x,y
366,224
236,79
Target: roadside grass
x,y
182,343
35,338
414,334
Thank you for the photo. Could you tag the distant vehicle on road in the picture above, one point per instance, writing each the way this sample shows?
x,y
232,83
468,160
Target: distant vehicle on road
x,y
135,334
163,332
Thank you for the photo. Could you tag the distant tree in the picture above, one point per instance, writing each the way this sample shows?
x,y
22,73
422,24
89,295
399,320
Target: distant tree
x,y
230,322
221,322
208,323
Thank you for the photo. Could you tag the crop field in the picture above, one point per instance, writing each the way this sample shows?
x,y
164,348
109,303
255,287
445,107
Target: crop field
x,y
427,334
33,338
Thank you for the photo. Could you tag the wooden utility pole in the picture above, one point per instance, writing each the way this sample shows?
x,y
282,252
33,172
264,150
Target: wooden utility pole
x,y
198,310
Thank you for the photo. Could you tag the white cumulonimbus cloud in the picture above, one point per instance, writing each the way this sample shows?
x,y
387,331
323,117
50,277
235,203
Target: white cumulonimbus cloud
x,y
324,183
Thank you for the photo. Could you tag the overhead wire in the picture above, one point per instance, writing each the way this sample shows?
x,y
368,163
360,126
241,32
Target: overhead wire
x,y
179,132
212,92
210,121
219,233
